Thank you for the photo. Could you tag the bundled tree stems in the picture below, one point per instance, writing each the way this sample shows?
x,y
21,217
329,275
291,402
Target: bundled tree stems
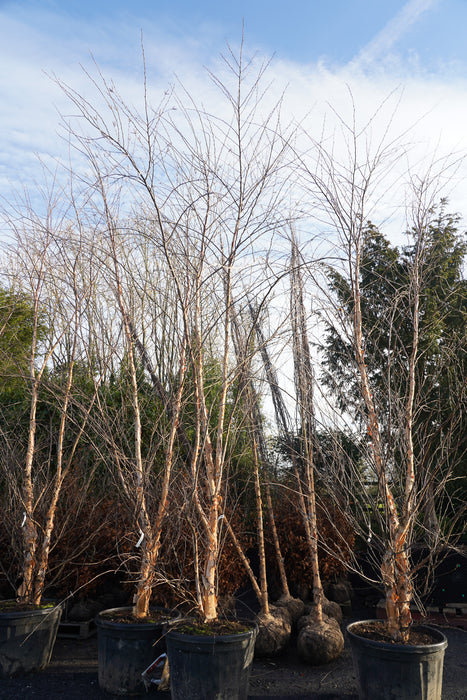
x,y
303,375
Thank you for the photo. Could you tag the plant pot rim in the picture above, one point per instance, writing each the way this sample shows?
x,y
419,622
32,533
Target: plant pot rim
x,y
175,633
39,612
143,626
434,647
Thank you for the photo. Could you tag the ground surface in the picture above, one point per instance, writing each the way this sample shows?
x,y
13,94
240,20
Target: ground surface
x,y
72,675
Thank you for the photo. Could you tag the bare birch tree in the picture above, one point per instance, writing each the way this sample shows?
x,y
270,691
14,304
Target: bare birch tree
x,y
44,268
210,186
345,193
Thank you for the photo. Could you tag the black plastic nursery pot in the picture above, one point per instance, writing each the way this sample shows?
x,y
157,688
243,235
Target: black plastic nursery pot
x,y
125,649
398,671
27,639
213,667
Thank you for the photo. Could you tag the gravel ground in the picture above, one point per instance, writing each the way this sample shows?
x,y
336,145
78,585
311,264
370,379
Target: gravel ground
x,y
72,675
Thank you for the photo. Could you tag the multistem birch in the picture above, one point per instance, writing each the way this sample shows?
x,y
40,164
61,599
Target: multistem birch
x,y
150,529
45,266
62,467
209,184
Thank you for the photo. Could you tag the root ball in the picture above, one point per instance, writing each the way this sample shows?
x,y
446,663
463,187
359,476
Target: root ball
x,y
273,632
319,644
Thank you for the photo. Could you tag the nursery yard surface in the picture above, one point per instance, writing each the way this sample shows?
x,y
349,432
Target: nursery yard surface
x,y
72,675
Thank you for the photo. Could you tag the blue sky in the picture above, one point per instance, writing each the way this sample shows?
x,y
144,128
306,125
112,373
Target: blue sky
x,y
304,31
417,47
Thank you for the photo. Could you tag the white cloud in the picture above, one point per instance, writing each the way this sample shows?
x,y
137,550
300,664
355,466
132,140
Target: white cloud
x,y
388,37
29,118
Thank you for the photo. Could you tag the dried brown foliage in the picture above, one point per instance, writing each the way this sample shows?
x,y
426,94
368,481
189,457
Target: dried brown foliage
x,y
334,549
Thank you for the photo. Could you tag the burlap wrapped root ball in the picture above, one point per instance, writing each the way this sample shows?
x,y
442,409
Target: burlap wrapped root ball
x,y
295,606
309,618
274,631
319,643
334,610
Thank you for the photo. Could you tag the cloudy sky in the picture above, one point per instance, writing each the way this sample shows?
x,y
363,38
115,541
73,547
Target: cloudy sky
x,y
320,50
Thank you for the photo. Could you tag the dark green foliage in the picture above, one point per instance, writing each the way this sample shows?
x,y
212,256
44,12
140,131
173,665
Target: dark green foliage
x,y
16,338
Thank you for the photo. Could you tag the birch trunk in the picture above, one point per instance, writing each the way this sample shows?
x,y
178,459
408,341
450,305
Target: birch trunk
x,y
303,378
395,566
260,530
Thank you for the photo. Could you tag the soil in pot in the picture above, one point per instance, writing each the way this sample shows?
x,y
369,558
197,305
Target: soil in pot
x,y
213,628
128,645
211,661
390,671
27,636
378,632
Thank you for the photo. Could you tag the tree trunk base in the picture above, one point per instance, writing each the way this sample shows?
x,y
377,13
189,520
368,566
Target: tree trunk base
x,y
330,608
